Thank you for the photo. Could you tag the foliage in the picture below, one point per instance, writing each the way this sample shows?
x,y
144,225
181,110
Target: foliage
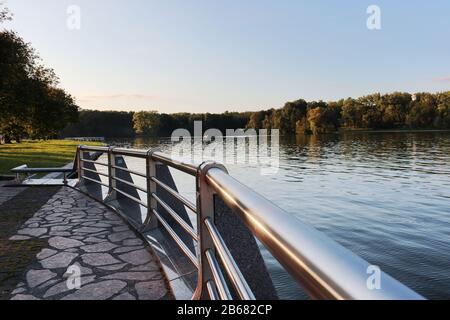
x,y
31,105
396,110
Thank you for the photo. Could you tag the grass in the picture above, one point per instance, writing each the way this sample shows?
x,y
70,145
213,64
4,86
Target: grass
x,y
51,153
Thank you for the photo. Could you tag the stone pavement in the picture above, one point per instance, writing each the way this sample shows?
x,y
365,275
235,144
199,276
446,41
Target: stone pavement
x,y
86,243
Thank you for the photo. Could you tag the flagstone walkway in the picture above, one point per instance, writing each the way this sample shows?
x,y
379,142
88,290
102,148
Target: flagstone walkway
x,y
86,252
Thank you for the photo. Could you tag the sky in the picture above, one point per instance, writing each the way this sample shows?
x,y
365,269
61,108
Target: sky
x,y
236,55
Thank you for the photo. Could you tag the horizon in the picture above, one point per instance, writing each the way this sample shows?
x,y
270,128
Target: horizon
x,y
215,57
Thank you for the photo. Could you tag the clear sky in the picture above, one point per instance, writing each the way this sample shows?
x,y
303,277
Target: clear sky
x,y
217,55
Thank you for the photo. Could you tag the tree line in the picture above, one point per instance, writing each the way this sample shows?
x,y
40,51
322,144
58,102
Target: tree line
x,y
31,103
119,124
398,110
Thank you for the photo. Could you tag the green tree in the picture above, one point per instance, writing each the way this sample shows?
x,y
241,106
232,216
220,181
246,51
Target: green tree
x,y
146,123
423,111
443,109
30,103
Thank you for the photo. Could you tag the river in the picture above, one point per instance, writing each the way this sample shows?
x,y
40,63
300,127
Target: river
x,y
383,195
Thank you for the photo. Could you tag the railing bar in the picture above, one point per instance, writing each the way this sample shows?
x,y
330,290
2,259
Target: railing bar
x,y
177,239
219,279
142,154
185,167
130,197
96,172
236,277
94,162
177,218
94,149
174,193
212,291
96,181
130,184
130,171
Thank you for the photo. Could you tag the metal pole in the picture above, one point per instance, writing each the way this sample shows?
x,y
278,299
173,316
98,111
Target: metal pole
x,y
111,173
205,210
151,222
79,165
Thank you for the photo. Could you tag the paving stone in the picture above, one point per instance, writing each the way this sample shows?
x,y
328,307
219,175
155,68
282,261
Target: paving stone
x,y
99,259
120,229
127,249
88,230
136,257
33,225
133,242
24,297
19,238
135,276
152,266
120,236
34,232
37,277
97,291
151,290
62,287
47,284
62,243
101,225
99,247
114,267
45,253
18,290
60,228
94,239
124,297
60,260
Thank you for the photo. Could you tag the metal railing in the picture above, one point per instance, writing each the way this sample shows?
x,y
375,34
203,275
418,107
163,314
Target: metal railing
x,y
323,268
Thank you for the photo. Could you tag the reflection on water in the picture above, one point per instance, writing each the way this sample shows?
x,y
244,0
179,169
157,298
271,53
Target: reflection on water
x,y
385,196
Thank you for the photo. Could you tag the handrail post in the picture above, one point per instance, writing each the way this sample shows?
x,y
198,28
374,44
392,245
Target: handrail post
x,y
151,222
79,164
111,174
205,210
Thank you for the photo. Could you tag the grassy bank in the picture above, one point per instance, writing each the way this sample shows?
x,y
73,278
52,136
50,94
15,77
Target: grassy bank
x,y
38,154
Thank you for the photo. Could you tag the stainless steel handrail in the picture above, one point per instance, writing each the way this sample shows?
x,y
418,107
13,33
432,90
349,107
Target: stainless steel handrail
x,y
176,195
325,269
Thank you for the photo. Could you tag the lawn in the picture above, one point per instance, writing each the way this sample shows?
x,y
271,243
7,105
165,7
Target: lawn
x,y
51,153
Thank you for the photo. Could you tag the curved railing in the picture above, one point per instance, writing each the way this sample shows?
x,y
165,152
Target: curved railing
x,y
325,269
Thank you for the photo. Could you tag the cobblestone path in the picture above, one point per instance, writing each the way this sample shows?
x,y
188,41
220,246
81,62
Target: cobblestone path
x,y
87,253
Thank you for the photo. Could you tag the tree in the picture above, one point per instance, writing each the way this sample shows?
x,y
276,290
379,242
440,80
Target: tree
x,y
443,109
321,118
146,123
395,108
5,14
30,102
423,111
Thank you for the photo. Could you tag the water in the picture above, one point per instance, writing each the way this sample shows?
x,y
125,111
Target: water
x,y
384,196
